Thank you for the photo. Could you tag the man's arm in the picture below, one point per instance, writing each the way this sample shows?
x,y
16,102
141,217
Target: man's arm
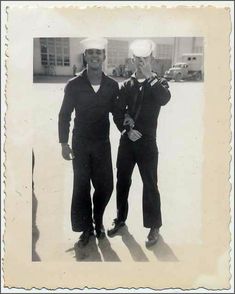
x,y
64,122
159,87
160,90
119,107
122,119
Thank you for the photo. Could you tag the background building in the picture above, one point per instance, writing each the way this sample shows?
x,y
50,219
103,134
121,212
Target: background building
x,y
58,57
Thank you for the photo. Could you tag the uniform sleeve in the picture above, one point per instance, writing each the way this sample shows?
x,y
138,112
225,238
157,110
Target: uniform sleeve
x,y
160,90
119,106
65,114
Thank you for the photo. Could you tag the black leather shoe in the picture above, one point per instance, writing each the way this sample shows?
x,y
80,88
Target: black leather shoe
x,y
152,237
100,232
117,225
85,237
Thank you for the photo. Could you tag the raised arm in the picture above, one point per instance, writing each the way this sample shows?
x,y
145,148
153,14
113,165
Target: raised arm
x,y
160,90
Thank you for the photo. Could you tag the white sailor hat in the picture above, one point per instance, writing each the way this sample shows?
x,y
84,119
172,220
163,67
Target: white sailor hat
x,y
142,48
93,43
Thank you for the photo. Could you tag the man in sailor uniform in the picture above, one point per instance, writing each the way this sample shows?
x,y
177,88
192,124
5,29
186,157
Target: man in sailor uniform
x,y
92,95
140,99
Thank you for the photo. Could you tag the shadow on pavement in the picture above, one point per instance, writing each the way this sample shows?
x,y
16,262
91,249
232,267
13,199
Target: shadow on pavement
x,y
162,251
108,253
35,230
134,248
89,252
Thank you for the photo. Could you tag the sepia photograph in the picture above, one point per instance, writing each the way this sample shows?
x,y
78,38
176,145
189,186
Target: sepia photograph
x,y
115,89
117,147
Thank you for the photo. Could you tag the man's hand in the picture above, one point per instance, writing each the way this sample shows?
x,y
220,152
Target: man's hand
x,y
67,152
146,68
134,135
128,121
164,83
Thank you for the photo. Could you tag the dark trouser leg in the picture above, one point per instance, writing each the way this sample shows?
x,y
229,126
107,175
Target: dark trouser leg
x,y
81,208
125,166
102,179
147,160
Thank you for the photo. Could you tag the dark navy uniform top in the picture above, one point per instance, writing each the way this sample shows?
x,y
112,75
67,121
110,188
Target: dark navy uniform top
x,y
91,108
145,99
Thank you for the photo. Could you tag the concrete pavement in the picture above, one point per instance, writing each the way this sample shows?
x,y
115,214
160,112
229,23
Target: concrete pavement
x,y
180,135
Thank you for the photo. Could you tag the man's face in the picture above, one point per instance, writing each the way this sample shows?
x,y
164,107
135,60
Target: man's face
x,y
142,61
94,58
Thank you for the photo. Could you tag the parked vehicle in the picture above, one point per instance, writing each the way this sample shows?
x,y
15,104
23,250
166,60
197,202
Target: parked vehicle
x,y
191,68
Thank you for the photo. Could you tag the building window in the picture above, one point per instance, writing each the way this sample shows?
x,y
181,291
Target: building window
x,y
55,51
